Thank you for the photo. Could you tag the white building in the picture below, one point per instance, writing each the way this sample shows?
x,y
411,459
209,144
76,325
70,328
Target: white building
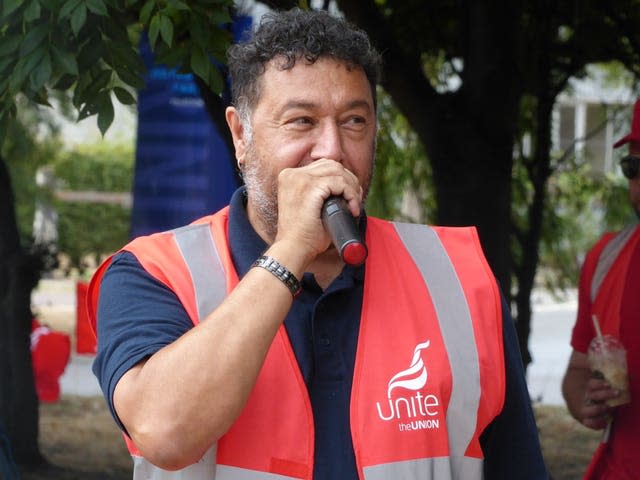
x,y
591,115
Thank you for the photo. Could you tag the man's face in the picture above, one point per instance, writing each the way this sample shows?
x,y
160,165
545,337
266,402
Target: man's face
x,y
310,112
634,183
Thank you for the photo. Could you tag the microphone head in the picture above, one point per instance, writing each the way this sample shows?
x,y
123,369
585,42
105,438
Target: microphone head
x,y
343,229
354,253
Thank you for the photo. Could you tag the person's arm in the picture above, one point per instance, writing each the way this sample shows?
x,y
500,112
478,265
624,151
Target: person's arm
x,y
510,443
584,394
178,402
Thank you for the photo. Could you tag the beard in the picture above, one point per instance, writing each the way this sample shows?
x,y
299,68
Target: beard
x,y
262,191
262,188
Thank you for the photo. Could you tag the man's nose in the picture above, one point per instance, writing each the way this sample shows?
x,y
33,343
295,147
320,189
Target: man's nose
x,y
328,142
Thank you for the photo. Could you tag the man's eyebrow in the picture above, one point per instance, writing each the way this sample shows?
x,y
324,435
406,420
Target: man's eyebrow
x,y
360,104
307,105
302,104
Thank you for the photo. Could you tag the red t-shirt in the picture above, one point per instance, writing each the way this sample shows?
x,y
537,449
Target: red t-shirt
x,y
621,457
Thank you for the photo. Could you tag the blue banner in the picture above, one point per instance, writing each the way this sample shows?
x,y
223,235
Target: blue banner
x,y
183,167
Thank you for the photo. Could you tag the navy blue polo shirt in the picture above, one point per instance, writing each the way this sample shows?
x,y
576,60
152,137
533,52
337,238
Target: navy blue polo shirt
x,y
138,316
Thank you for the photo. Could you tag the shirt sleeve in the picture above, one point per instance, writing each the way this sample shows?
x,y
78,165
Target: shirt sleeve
x,y
137,315
510,443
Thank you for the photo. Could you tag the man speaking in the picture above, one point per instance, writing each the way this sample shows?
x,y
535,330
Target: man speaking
x,y
243,346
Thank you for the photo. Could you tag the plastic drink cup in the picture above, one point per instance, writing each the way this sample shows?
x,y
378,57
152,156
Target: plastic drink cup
x,y
608,358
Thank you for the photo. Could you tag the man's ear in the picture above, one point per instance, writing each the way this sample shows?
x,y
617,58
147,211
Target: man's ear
x,y
237,133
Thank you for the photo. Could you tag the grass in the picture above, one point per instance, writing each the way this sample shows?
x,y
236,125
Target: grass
x,y
567,446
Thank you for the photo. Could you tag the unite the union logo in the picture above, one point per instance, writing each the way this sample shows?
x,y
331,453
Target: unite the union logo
x,y
413,410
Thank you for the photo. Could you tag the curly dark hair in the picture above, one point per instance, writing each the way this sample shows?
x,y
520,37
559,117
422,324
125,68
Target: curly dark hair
x,y
294,35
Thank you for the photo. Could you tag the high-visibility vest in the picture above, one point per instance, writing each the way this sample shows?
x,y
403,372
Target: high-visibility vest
x,y
612,257
610,273
429,373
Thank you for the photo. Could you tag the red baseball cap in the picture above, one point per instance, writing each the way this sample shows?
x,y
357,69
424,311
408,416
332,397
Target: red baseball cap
x,y
634,136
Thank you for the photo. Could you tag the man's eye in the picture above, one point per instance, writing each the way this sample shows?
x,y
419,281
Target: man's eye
x,y
356,121
302,121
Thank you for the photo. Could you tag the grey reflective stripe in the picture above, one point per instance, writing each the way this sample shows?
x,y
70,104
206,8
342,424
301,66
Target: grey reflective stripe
x,y
426,469
608,255
456,327
197,247
205,469
198,250
226,472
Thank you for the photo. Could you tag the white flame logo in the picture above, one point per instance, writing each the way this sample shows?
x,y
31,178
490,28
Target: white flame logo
x,y
414,377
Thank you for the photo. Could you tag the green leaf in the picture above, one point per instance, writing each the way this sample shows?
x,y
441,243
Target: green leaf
x,y
146,11
9,6
65,82
89,86
105,113
51,5
4,63
34,59
41,98
17,77
87,110
133,80
200,64
178,5
9,44
100,81
68,8
198,32
78,18
42,72
91,49
115,31
218,17
79,98
32,12
64,60
4,127
33,39
124,56
166,30
154,29
97,6
219,40
216,82
124,96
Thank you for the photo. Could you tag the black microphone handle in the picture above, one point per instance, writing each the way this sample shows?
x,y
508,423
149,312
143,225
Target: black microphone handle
x,y
343,229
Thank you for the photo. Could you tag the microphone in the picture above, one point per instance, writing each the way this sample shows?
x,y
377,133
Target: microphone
x,y
342,227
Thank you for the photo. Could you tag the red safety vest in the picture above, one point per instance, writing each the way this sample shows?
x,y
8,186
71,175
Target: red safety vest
x,y
611,272
429,371
609,262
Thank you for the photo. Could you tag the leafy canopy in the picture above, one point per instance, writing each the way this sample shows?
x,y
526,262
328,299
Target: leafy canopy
x,y
91,48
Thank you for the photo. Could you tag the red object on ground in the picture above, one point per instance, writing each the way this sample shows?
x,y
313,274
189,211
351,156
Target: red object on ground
x,y
50,351
85,338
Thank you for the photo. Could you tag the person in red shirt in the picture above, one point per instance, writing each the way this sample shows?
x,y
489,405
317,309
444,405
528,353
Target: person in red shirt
x,y
609,282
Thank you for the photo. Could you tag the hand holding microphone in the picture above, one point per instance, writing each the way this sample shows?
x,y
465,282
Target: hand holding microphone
x,y
345,235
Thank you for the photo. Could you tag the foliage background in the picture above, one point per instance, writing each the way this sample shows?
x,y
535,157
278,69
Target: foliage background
x,y
93,229
86,231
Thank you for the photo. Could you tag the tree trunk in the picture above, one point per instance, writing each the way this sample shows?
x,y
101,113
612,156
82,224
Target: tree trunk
x,y
19,274
481,196
548,84
468,137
